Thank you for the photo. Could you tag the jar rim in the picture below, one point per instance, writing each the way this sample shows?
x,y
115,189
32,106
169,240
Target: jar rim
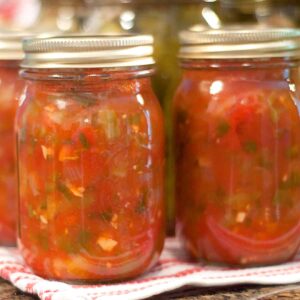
x,y
88,51
237,42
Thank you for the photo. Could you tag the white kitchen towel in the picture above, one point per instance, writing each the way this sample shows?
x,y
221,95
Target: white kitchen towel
x,y
172,272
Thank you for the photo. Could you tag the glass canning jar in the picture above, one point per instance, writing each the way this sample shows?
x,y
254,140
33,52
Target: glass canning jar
x,y
10,90
91,158
237,145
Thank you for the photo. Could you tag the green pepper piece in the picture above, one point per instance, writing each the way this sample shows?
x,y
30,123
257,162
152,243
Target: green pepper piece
x,y
42,240
84,237
250,147
181,116
43,205
223,128
72,245
143,203
67,245
264,162
134,119
104,216
84,141
31,212
62,188
293,181
85,99
293,152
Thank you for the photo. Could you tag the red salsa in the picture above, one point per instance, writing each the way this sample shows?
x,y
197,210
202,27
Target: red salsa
x,y
91,164
237,135
10,90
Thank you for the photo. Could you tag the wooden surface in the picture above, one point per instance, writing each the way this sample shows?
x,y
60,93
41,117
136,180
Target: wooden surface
x,y
8,292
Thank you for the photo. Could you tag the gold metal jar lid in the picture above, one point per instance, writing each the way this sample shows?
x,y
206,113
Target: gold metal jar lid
x,y
11,45
234,43
83,51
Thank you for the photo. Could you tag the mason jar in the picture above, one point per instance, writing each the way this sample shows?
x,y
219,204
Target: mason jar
x,y
90,158
237,145
10,90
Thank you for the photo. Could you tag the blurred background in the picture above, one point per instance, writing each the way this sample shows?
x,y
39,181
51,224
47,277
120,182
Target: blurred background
x,y
161,18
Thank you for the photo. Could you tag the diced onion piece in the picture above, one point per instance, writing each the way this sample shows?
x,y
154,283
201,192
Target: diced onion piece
x,y
47,152
106,244
77,191
43,219
240,218
114,221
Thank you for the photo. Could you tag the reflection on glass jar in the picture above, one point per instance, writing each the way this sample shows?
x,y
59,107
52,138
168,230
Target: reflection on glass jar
x,y
236,116
91,160
10,90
